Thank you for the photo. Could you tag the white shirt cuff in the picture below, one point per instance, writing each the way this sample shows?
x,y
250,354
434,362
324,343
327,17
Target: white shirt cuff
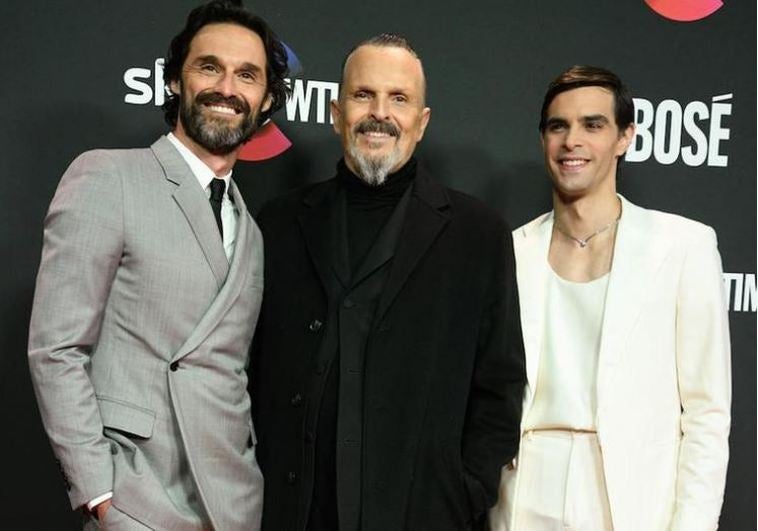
x,y
100,499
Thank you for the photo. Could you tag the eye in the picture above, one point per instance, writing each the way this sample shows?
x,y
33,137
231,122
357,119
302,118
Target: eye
x,y
361,95
556,127
400,98
248,77
594,126
209,68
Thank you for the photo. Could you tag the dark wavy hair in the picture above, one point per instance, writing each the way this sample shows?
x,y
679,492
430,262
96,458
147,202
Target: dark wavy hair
x,y
591,76
227,11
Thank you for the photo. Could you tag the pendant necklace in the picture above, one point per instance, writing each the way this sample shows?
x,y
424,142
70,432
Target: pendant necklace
x,y
584,241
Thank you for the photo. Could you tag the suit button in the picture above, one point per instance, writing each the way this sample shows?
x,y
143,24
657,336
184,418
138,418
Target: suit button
x,y
309,436
296,399
315,325
347,303
291,477
174,366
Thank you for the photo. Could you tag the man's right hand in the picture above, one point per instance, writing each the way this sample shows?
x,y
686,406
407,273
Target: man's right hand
x,y
100,509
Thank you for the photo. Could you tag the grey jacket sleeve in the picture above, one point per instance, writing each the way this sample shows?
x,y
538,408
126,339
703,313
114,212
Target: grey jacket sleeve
x,y
81,251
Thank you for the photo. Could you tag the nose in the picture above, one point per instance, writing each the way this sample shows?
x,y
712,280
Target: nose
x,y
572,138
226,84
380,108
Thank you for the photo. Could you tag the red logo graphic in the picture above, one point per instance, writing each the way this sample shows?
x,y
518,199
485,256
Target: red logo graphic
x,y
684,10
267,143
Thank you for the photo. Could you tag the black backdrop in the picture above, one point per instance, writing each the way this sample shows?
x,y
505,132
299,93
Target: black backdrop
x,y
69,85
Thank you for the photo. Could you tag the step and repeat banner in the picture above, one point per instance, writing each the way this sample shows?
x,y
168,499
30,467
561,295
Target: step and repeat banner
x,y
88,74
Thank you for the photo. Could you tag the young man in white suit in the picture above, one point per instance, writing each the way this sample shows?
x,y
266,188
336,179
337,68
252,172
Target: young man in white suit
x,y
148,293
626,414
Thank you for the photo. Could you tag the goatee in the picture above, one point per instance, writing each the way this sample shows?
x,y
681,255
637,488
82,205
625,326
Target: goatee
x,y
373,169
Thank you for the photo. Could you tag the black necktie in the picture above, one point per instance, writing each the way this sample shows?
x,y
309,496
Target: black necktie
x,y
218,187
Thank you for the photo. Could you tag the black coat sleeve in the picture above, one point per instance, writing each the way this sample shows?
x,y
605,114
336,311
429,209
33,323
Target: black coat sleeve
x,y
492,428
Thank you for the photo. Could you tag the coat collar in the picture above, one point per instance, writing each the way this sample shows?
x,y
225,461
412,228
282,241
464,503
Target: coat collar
x,y
320,224
427,213
193,202
637,257
384,247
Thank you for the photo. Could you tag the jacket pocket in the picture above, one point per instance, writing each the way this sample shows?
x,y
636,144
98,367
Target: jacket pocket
x,y
126,417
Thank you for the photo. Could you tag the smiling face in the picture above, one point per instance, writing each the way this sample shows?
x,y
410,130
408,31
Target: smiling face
x,y
380,115
582,142
222,89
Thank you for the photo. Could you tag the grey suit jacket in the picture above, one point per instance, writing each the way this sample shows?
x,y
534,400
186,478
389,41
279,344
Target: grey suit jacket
x,y
139,341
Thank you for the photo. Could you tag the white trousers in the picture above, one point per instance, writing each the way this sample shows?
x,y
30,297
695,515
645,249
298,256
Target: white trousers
x,y
558,485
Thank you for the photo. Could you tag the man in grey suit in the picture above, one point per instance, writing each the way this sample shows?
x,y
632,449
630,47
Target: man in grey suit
x,y
148,293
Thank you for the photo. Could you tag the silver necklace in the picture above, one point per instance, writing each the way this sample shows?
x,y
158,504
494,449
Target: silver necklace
x,y
583,241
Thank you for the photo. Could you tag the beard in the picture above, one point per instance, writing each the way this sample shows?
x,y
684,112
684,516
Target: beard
x,y
373,169
217,134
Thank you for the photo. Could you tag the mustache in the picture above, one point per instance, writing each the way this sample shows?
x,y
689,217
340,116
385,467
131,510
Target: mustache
x,y
211,98
374,126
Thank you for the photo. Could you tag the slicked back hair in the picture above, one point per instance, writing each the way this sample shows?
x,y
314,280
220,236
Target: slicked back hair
x,y
229,12
591,76
388,40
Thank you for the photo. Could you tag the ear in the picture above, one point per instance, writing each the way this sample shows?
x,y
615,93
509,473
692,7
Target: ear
x,y
334,107
174,87
625,140
266,105
426,114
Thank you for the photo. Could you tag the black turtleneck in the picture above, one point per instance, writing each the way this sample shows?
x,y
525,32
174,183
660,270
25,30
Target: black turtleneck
x,y
369,207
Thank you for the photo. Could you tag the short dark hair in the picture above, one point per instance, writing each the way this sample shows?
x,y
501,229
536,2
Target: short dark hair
x,y
231,12
387,40
591,76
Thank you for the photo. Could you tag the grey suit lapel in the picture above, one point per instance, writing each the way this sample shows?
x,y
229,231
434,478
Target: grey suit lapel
x,y
194,204
246,243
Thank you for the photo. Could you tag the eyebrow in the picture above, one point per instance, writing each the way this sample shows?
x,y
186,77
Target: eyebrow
x,y
597,118
592,118
247,66
206,59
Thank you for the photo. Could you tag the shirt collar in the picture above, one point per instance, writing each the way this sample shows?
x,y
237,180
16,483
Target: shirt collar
x,y
200,170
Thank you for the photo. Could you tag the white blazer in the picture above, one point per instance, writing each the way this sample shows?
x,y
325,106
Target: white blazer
x,y
664,375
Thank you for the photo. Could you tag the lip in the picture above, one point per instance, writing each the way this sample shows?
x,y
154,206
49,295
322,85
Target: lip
x,y
376,140
572,164
224,110
377,135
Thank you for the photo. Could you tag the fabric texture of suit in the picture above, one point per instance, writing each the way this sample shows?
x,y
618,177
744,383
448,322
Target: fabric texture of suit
x,y
139,341
443,369
664,375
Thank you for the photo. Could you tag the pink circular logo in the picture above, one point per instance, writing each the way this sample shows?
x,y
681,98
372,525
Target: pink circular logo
x,y
684,10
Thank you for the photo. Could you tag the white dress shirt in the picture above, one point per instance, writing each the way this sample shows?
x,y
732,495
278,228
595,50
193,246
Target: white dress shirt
x,y
204,176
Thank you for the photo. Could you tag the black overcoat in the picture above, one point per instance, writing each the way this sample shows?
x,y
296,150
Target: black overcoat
x,y
443,369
